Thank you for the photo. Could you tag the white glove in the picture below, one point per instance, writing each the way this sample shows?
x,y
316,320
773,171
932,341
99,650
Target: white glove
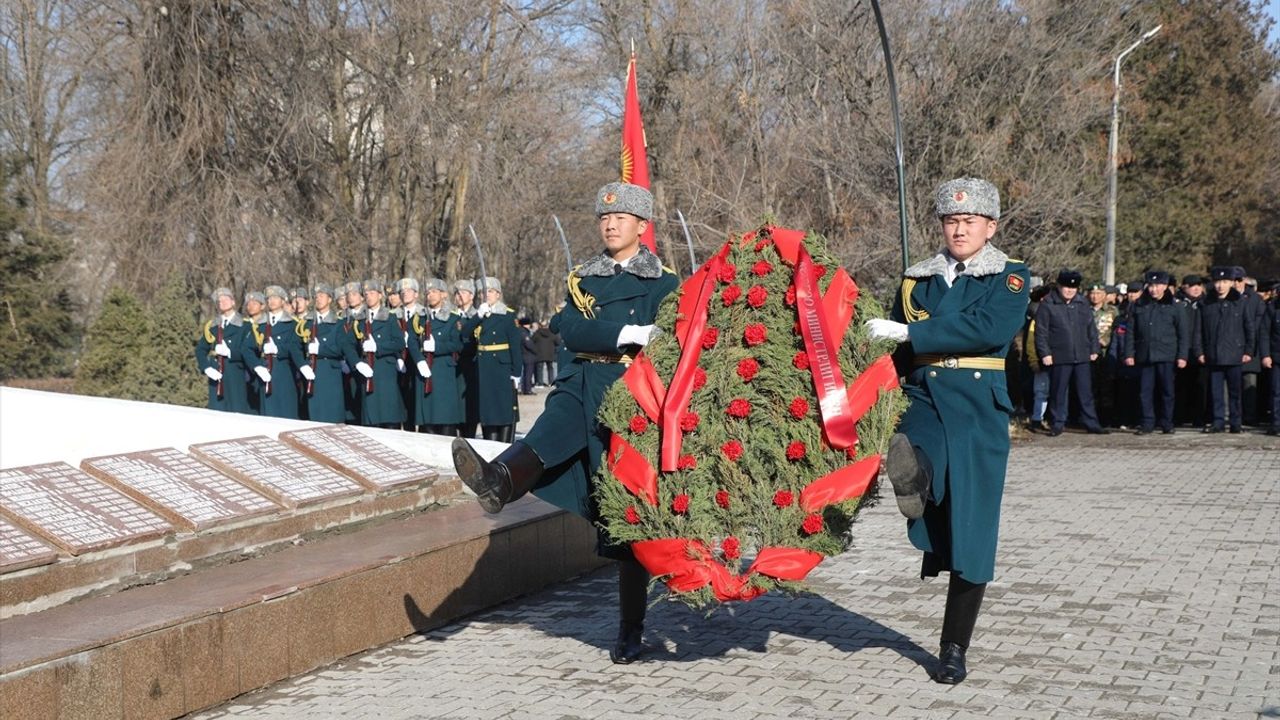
x,y
423,369
369,345
307,372
881,329
429,343
346,369
400,365
213,374
515,382
363,368
635,335
222,349
269,348
313,347
484,310
263,373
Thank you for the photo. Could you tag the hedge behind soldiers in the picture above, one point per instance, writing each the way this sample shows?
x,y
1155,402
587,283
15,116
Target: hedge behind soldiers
x,y
1161,340
1222,341
612,302
1066,343
956,315
220,354
322,331
375,356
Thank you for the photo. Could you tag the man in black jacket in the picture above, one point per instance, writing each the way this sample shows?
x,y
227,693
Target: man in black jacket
x,y
1161,337
1222,341
1270,349
1066,342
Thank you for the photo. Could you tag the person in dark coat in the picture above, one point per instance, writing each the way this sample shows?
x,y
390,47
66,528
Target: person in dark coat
x,y
612,303
1271,356
956,315
545,344
222,349
1066,342
1250,405
322,331
1161,339
1222,342
1189,382
375,355
528,355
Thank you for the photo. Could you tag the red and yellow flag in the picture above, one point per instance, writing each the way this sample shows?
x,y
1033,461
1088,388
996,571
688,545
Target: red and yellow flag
x,y
635,163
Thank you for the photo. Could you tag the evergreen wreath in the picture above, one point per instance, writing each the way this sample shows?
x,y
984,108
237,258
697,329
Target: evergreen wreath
x,y
723,447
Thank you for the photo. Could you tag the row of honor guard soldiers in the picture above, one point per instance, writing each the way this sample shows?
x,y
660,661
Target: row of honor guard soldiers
x,y
368,354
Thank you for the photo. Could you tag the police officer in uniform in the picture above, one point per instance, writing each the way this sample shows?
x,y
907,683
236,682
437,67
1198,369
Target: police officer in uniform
x,y
322,331
1222,341
1159,341
1066,343
278,357
439,408
956,315
1189,382
221,351
498,364
612,302
375,355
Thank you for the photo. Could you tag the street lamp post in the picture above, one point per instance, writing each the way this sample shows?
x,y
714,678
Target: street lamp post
x,y
1109,257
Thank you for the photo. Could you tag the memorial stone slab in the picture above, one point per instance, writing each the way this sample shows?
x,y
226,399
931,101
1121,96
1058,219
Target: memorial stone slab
x,y
20,549
356,455
183,490
276,470
75,512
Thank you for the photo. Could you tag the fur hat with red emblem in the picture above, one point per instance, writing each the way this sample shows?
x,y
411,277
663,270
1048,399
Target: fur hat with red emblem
x,y
625,198
968,196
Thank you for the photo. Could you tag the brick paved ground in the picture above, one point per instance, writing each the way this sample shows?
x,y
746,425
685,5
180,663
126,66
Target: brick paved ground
x,y
1138,578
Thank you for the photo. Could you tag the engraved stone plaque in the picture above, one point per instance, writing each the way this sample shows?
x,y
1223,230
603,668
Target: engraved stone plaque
x,y
276,470
20,549
183,490
74,511
354,454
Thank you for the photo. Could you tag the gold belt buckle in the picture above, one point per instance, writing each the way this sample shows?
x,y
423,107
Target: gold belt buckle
x,y
951,362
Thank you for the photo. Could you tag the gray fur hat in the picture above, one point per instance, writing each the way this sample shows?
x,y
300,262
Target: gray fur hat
x,y
276,291
220,292
352,286
373,284
435,284
626,198
320,287
300,292
406,284
255,296
490,283
465,285
967,196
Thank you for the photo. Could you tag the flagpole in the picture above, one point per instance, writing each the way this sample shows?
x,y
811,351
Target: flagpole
x,y
897,134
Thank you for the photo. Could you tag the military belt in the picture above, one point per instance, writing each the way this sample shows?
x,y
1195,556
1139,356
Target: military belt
x,y
624,359
493,348
959,361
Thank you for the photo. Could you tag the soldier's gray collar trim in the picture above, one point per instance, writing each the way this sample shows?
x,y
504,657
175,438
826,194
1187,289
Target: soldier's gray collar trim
x,y
500,308
441,313
235,320
988,261
645,265
326,317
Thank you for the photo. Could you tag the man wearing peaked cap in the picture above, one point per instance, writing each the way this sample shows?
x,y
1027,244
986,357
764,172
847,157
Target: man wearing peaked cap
x,y
1222,342
1160,342
221,349
1257,307
1066,343
947,462
612,302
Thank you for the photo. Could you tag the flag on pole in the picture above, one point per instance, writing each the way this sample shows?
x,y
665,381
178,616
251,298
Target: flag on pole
x,y
635,163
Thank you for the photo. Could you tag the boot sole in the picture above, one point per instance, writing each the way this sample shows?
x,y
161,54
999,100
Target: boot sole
x,y
470,468
903,472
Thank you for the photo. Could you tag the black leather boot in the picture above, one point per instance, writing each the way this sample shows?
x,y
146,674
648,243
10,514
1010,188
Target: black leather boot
x,y
909,471
633,597
505,480
964,600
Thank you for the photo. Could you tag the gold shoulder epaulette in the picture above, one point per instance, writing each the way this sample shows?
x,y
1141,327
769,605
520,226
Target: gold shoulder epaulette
x,y
912,313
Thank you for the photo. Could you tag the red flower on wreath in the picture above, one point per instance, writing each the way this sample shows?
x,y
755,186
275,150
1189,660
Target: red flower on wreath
x,y
731,547
728,273
761,268
730,295
699,378
722,498
820,270
732,450
796,450
762,245
756,296
783,498
747,369
639,424
801,360
738,408
710,337
632,517
680,503
812,524
791,295
755,333
799,408
686,462
689,421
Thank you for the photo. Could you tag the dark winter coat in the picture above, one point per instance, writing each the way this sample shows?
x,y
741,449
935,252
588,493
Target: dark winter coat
x,y
232,393
1226,331
1065,330
327,401
545,342
1159,331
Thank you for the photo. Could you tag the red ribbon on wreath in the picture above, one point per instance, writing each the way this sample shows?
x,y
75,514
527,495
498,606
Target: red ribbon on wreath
x,y
689,565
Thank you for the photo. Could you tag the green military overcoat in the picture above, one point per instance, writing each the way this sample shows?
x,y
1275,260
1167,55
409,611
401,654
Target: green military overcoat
x,y
234,395
327,401
959,415
443,404
383,405
282,399
498,359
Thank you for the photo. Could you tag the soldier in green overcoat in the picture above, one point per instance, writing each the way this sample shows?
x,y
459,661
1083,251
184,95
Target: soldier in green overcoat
x,y
353,383
277,357
322,330
956,315
464,292
255,304
435,355
374,356
498,363
608,317
408,314
220,353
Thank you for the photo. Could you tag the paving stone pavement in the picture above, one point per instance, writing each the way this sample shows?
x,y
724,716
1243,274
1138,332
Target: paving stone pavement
x,y
1137,578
